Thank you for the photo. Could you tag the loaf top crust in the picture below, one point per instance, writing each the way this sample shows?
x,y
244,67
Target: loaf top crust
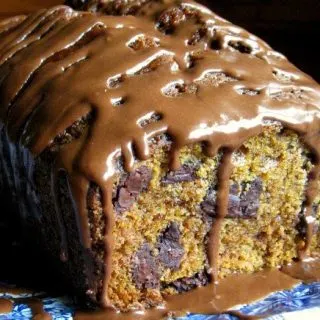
x,y
190,73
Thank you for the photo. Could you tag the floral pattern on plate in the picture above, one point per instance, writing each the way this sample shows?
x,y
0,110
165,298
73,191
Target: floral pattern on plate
x,y
275,306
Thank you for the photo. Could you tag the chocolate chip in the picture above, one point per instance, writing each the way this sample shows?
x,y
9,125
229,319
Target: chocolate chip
x,y
138,180
130,187
170,249
234,189
185,284
241,205
241,47
184,174
145,270
208,206
198,36
169,19
250,200
234,206
125,200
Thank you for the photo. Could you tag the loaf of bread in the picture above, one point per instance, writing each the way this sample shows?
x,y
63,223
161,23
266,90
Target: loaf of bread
x,y
151,155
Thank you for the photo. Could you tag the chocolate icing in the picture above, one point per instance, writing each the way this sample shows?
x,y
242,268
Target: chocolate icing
x,y
229,292
308,270
6,305
56,68
34,303
37,308
16,7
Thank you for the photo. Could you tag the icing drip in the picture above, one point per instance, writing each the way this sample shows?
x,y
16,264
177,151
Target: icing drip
x,y
206,300
229,292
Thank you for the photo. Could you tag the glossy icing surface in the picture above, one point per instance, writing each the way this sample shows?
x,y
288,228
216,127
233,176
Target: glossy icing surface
x,y
16,7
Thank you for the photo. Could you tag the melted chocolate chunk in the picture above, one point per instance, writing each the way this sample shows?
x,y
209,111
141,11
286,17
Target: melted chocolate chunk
x,y
243,205
146,267
185,284
184,174
169,19
138,181
145,270
208,205
170,249
129,189
198,36
246,204
241,47
250,200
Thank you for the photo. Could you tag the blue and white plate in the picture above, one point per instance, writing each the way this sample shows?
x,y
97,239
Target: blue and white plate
x,y
302,302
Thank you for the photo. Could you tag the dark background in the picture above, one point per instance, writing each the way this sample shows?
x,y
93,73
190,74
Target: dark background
x,y
289,26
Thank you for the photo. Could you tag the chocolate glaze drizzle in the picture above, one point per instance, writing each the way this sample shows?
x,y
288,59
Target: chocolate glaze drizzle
x,y
222,297
58,65
206,300
36,306
6,305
